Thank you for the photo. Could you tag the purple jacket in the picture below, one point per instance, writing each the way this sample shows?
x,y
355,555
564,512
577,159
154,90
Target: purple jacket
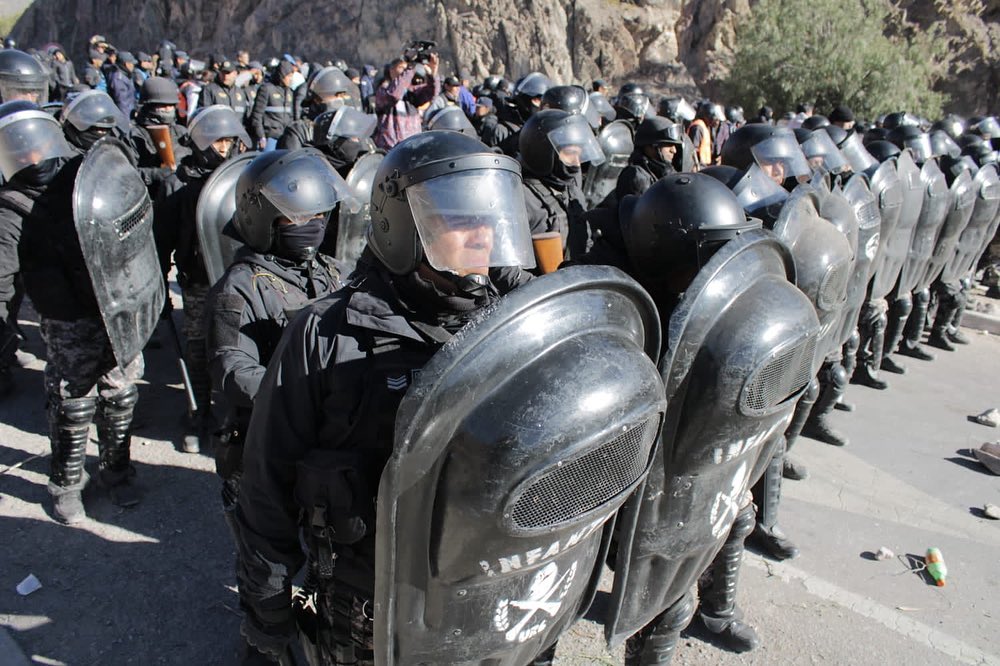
x,y
398,115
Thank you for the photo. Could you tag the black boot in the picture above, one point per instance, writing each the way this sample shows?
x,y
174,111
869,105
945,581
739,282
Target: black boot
x,y
793,470
850,363
200,424
832,382
655,643
69,429
114,438
796,470
767,537
913,331
871,328
947,298
899,312
889,364
962,300
717,590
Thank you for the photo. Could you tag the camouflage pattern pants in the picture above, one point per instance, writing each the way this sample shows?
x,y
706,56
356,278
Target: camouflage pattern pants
x,y
80,359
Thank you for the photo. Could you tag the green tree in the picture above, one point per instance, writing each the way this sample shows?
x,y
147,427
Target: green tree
x,y
833,52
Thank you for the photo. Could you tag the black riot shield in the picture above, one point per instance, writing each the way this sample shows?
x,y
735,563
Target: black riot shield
x,y
986,186
353,223
897,244
823,262
216,204
514,449
866,214
887,189
114,222
741,350
963,199
937,200
600,181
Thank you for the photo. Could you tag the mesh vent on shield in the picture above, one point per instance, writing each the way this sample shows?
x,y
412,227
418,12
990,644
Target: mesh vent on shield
x,y
131,220
834,287
868,215
780,378
573,488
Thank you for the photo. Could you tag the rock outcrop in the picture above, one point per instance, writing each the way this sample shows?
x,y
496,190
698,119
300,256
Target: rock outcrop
x,y
671,45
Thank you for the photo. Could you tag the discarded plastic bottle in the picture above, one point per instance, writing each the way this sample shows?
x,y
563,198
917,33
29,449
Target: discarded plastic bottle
x,y
936,566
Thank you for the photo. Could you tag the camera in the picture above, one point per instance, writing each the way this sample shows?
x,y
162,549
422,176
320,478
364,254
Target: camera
x,y
419,51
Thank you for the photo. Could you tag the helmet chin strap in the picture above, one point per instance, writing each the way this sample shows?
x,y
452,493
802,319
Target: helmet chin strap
x,y
473,285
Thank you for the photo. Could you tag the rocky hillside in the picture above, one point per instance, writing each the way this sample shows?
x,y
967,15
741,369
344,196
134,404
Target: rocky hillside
x,y
672,45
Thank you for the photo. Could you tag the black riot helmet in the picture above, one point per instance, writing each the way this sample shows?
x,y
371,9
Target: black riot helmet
x,y
211,124
298,185
774,149
529,88
980,150
820,150
943,144
601,108
734,114
988,127
330,89
632,103
900,119
449,118
22,77
882,150
952,124
910,136
658,131
346,132
760,196
28,137
954,166
675,227
89,116
9,43
572,99
157,90
676,109
850,144
552,140
438,186
815,122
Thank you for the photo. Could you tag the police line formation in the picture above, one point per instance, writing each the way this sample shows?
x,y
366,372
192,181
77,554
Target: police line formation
x,y
459,434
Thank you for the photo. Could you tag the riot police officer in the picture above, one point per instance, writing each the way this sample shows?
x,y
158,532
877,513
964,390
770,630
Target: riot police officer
x,y
554,145
324,414
273,275
658,152
157,107
631,104
329,90
90,116
514,112
215,134
22,77
86,373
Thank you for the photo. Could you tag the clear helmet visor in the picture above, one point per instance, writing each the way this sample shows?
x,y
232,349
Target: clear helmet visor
x,y
757,190
920,147
576,144
857,155
216,122
22,90
473,220
987,126
350,123
685,111
780,158
822,152
93,108
30,137
600,106
307,187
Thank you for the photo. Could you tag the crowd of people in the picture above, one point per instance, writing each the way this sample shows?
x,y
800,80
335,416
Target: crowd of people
x,y
333,229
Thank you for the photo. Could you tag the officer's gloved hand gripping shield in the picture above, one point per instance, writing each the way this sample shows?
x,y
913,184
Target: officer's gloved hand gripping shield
x,y
514,448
